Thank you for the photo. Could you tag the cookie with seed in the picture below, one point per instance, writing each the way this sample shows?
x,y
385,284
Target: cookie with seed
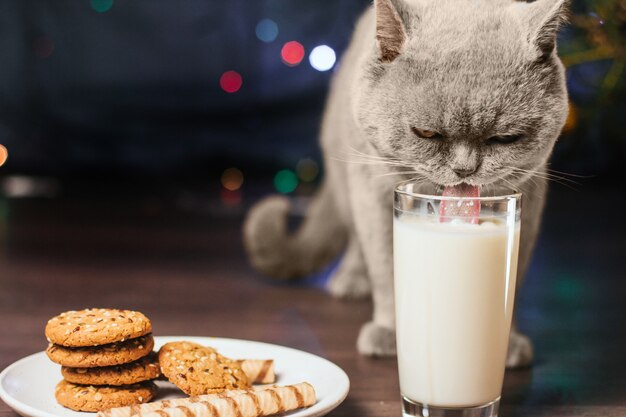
x,y
198,370
96,326
93,398
144,369
105,355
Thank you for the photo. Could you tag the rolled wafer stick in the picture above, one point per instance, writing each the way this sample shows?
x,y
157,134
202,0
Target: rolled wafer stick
x,y
141,409
270,400
258,402
258,371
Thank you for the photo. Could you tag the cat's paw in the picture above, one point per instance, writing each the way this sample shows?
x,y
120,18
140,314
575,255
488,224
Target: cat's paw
x,y
349,286
376,340
520,352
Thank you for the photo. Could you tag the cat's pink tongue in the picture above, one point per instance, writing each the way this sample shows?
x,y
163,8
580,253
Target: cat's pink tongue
x,y
467,211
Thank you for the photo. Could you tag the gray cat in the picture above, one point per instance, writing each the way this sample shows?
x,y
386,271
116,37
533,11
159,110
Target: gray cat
x,y
446,91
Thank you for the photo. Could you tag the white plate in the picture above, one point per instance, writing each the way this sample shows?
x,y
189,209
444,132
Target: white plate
x,y
27,386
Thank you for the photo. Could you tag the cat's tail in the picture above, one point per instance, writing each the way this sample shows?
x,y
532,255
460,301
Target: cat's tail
x,y
280,254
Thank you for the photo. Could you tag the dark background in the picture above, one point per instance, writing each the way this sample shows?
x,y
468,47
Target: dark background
x,y
131,88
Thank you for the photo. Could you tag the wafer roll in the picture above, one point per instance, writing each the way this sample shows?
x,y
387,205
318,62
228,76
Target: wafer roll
x,y
142,409
250,403
258,371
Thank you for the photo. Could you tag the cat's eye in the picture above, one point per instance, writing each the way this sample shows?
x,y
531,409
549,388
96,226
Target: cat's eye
x,y
504,139
426,134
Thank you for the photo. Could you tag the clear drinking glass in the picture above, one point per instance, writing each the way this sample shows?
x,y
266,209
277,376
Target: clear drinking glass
x,y
454,280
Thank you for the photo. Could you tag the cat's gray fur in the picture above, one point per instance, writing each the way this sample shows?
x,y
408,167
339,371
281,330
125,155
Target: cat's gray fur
x,y
468,69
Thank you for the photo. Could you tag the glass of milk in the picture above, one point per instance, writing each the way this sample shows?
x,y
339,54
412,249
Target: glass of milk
x,y
454,280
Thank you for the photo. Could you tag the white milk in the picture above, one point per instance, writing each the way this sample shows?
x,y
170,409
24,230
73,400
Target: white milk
x,y
454,302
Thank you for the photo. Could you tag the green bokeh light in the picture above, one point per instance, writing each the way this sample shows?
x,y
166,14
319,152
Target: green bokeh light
x,y
569,288
101,6
285,181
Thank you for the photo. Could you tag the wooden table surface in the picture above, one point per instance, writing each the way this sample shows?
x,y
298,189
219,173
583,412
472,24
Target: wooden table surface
x,y
180,261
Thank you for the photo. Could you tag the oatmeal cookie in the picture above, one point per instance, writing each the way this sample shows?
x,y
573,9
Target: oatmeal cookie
x,y
93,398
198,370
144,369
105,355
96,326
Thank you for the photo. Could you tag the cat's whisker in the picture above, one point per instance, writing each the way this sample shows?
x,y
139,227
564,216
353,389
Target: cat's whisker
x,y
378,162
418,180
354,161
527,176
569,184
397,173
372,158
507,182
568,174
545,175
533,180
369,162
520,179
566,182
551,177
360,154
525,191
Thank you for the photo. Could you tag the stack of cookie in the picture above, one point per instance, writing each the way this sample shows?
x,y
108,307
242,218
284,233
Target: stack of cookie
x,y
106,357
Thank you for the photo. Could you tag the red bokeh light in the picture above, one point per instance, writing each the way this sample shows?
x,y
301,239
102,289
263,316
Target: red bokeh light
x,y
230,198
292,53
231,81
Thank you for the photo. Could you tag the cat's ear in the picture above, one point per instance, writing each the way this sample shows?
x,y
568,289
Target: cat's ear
x,y
392,21
544,18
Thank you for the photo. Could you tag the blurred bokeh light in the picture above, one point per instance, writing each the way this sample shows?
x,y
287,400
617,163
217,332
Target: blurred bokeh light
x,y
4,155
322,58
231,81
307,169
232,179
101,6
292,53
285,181
266,30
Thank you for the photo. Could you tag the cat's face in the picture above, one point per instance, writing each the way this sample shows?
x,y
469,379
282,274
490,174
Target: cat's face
x,y
468,98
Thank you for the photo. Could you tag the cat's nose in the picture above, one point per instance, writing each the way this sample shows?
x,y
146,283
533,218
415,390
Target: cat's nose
x,y
464,172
